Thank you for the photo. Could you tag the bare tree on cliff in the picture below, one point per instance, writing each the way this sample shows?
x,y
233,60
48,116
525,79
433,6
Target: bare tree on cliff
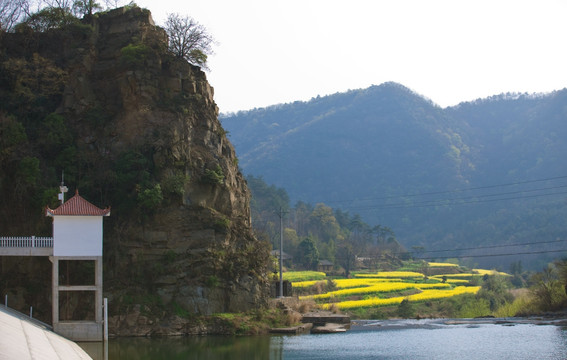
x,y
188,39
58,4
113,4
12,12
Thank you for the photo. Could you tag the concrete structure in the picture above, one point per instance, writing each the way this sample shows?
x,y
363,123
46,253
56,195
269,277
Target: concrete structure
x,y
23,339
77,236
26,246
325,322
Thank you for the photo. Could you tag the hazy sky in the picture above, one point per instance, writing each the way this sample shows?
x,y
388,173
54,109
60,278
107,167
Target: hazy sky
x,y
272,52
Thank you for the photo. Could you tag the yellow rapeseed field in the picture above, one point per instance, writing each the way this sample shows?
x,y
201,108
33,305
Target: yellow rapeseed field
x,y
438,264
351,283
303,275
392,274
432,286
346,283
475,273
424,295
304,284
350,287
490,272
439,294
383,287
457,281
372,302
371,286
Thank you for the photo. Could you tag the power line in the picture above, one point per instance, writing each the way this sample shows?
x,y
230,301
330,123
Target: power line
x,y
450,191
433,204
491,255
491,195
494,255
491,246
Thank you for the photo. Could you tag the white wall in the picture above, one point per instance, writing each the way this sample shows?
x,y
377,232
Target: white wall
x,y
77,235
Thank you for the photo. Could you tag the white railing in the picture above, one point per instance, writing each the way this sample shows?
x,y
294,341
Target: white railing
x,y
25,242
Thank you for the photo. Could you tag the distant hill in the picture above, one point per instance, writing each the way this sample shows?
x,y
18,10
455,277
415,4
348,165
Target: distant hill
x,y
427,172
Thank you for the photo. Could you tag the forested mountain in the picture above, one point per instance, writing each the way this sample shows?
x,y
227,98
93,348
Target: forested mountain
x,y
374,137
516,137
476,175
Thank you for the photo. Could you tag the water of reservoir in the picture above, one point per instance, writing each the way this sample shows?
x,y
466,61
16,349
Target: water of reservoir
x,y
399,339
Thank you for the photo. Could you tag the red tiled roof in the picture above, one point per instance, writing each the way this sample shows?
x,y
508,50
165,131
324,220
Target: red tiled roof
x,y
78,206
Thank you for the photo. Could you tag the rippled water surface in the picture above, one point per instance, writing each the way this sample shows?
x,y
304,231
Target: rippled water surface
x,y
412,340
404,339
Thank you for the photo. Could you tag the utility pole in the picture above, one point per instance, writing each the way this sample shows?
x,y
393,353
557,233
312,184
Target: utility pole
x,y
281,252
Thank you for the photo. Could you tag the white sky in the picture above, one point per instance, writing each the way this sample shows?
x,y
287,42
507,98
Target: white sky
x,y
271,52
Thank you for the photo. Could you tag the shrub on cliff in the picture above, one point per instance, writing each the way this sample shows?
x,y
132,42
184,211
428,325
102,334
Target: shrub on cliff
x,y
48,19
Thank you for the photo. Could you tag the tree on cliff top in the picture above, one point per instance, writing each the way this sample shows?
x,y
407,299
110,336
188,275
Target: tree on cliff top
x,y
188,39
86,7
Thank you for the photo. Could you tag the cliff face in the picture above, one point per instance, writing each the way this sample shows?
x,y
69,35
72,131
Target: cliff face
x,y
146,130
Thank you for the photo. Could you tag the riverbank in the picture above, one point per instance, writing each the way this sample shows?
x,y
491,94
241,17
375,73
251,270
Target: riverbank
x,y
138,322
286,314
283,315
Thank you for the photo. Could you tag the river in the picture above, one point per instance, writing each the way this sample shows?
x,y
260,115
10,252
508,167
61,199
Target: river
x,y
391,339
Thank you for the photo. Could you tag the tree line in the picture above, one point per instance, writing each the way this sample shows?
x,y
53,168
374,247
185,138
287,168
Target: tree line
x,y
318,232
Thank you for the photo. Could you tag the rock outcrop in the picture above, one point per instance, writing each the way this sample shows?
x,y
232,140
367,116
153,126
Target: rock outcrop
x,y
186,245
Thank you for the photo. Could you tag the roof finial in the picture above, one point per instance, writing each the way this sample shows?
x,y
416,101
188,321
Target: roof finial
x,y
62,188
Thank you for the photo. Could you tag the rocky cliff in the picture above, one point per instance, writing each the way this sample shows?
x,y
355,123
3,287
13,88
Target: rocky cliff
x,y
143,137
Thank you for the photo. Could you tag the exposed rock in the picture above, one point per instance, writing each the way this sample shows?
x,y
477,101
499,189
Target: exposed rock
x,y
196,252
136,323
202,245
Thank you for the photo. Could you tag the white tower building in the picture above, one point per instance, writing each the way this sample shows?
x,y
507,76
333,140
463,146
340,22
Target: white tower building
x,y
77,236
